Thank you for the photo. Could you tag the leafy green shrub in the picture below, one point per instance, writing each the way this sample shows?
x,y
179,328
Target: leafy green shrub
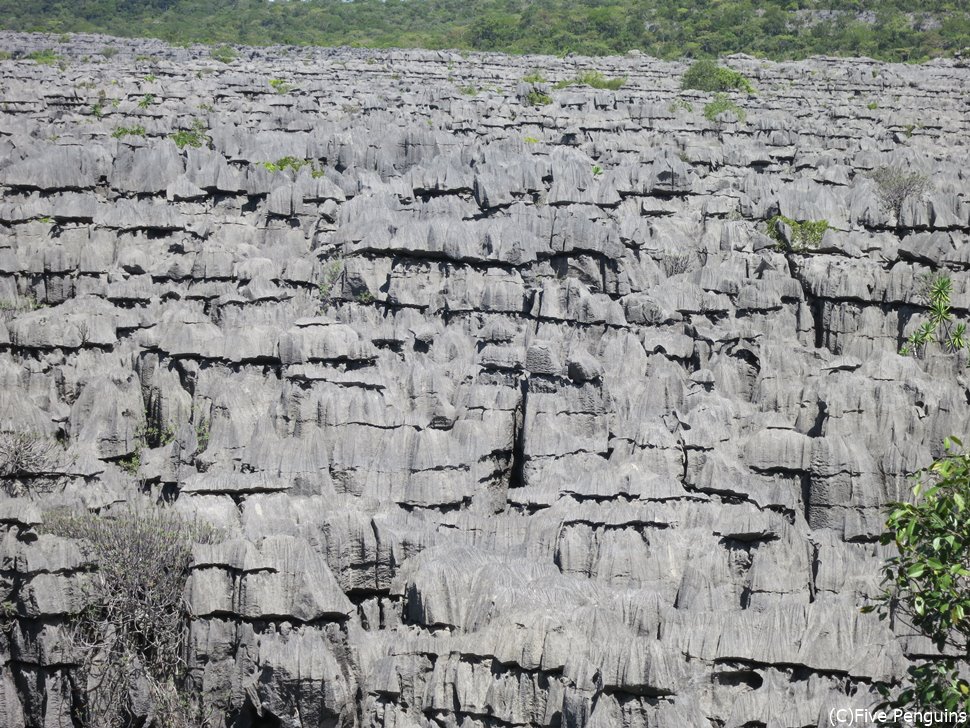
x,y
295,164
46,57
109,51
534,77
719,105
872,105
5,55
530,140
131,630
928,581
365,297
280,86
705,75
146,101
223,54
469,90
941,328
150,78
593,79
193,137
803,236
201,436
536,97
123,131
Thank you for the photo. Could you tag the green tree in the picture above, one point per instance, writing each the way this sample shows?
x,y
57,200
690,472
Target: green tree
x,y
928,581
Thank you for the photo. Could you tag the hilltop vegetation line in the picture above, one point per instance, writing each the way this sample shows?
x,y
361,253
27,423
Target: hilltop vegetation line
x,y
885,29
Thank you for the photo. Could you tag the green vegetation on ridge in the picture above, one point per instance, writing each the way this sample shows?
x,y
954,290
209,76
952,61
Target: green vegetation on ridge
x,y
886,29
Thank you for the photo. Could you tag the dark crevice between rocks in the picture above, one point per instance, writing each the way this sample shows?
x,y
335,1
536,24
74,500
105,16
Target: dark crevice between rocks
x,y
806,482
813,578
517,466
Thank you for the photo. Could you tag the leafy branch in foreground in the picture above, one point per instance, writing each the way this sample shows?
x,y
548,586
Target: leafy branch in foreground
x,y
927,584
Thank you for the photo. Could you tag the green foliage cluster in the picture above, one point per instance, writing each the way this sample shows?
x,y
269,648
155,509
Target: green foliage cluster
x,y
927,582
145,101
280,86
941,327
706,75
130,633
123,131
223,54
803,235
46,57
195,136
893,30
533,77
285,163
330,276
535,97
593,79
721,103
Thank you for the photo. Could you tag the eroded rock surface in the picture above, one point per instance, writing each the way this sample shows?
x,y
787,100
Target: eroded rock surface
x,y
511,415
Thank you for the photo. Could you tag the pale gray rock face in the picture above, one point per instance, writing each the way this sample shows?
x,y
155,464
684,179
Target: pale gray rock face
x,y
507,415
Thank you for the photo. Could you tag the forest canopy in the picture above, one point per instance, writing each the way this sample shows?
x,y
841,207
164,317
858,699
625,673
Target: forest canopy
x,y
779,29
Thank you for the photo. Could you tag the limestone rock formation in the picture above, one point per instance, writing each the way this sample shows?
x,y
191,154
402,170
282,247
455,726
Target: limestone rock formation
x,y
508,415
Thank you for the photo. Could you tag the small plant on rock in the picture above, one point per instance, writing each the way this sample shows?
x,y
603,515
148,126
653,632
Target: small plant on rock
x,y
536,97
280,86
533,77
941,327
593,79
285,163
146,101
223,54
46,57
331,274
193,137
123,131
802,236
720,104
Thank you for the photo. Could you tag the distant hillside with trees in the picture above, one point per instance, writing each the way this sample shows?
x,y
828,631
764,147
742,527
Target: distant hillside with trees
x,y
886,29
